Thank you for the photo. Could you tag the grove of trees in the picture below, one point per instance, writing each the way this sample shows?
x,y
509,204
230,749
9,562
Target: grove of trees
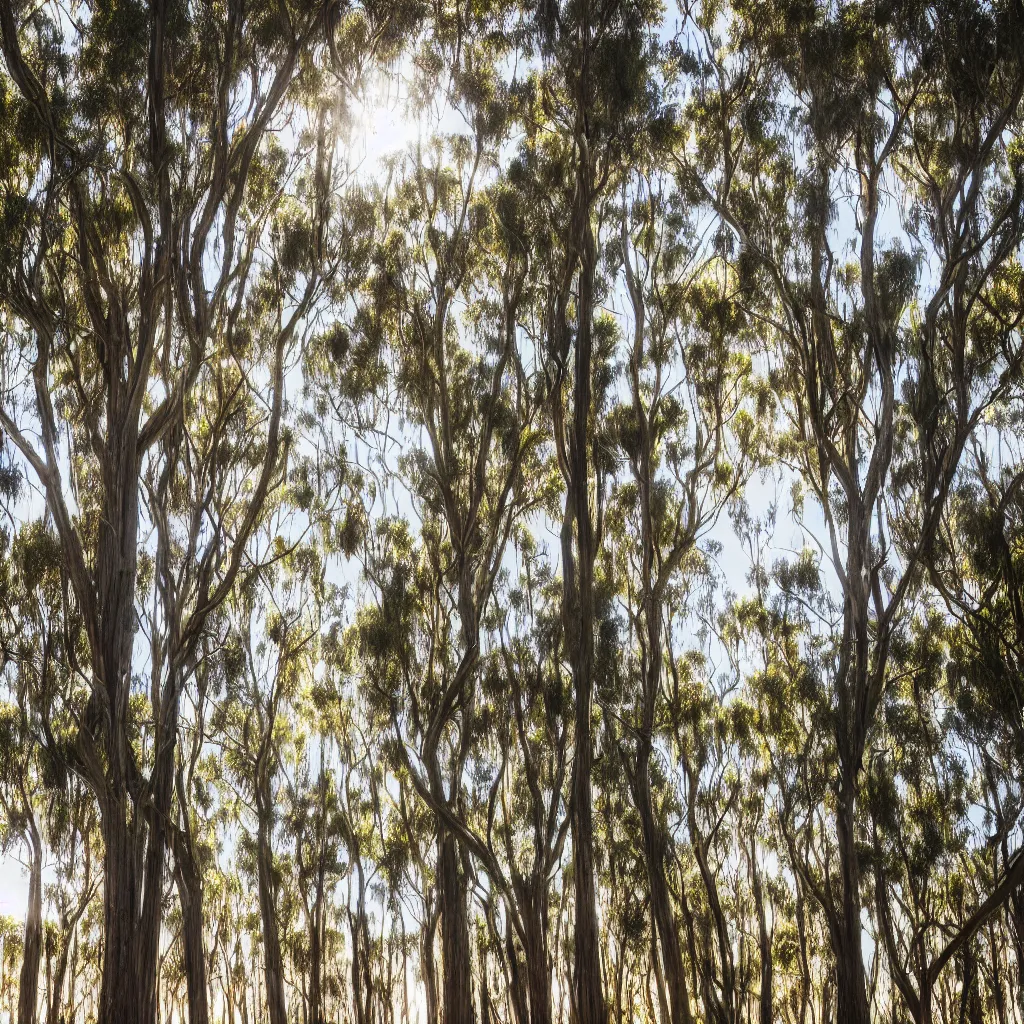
x,y
564,568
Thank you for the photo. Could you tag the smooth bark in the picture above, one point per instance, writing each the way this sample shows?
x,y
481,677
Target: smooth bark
x,y
28,992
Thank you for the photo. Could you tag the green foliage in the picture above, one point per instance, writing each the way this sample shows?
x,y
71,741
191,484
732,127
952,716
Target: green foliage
x,y
618,487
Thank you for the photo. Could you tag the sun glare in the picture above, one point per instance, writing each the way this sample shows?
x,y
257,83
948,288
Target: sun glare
x,y
385,122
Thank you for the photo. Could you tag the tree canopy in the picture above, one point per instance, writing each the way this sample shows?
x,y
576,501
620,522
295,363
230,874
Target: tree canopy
x,y
562,564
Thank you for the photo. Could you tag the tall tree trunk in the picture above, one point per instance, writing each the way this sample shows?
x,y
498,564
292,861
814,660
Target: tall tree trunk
x,y
126,994
457,991
661,906
273,967
538,978
119,989
851,989
190,895
28,991
654,576
580,621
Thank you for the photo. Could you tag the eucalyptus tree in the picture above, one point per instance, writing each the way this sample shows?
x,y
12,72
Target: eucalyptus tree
x,y
11,938
690,441
769,636
193,829
162,254
365,566
21,807
268,657
938,878
349,788
37,792
315,823
73,842
968,665
407,844
885,364
594,97
527,696
462,383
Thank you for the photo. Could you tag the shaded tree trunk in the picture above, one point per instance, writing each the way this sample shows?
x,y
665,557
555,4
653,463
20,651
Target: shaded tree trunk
x,y
579,622
457,991
851,989
120,997
273,965
190,895
28,990
535,948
